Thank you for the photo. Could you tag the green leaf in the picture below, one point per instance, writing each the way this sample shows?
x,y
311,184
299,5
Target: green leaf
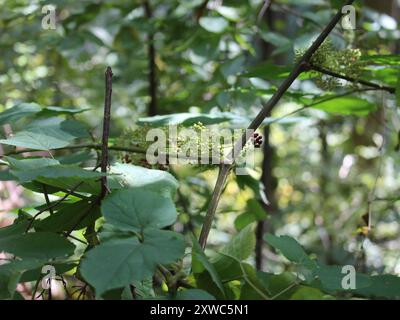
x,y
39,245
33,273
388,60
193,294
200,264
127,175
291,249
14,229
229,13
268,71
240,247
76,158
126,260
308,293
347,106
232,67
18,111
279,286
47,136
213,24
282,43
382,286
254,212
57,175
55,111
135,209
10,275
331,278
76,215
186,119
30,163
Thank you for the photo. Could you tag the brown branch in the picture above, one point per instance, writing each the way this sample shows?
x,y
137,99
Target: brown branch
x,y
225,168
151,55
351,79
106,130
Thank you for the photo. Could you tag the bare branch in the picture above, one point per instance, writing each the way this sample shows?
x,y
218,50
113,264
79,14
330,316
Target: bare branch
x,y
106,130
351,79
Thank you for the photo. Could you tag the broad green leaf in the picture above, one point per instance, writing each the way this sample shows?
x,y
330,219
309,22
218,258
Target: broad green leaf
x,y
126,260
388,60
14,229
382,286
331,278
308,293
35,141
282,43
213,24
30,163
76,158
388,75
57,175
127,175
54,111
135,209
185,119
18,111
254,212
347,106
10,275
268,71
33,273
232,67
229,13
291,249
193,294
279,286
38,245
76,215
46,136
253,288
240,247
201,264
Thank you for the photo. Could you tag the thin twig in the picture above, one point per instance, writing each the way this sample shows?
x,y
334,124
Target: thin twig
x,y
351,79
225,168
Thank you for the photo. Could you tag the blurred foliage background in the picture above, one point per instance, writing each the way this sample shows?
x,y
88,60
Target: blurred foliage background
x,y
321,171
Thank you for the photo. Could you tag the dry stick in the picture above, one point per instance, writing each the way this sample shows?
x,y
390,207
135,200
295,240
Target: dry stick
x,y
90,233
106,130
351,79
225,167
